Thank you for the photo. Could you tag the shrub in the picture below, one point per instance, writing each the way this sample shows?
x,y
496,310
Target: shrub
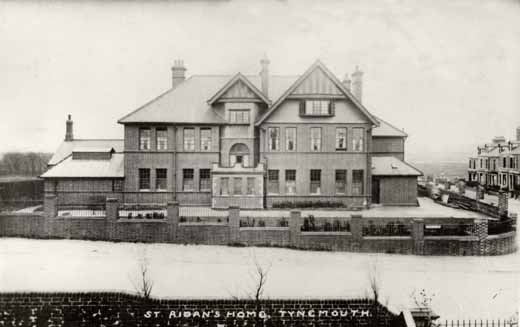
x,y
129,215
261,223
148,215
182,219
139,216
284,222
155,215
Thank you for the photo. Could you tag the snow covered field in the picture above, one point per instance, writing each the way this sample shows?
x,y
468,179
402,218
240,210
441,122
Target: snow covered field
x,y
464,287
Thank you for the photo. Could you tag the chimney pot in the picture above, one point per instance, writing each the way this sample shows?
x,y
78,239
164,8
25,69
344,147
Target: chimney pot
x,y
357,84
69,136
347,82
178,72
264,75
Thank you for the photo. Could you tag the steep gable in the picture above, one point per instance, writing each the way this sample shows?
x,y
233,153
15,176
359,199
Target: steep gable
x,y
319,81
239,88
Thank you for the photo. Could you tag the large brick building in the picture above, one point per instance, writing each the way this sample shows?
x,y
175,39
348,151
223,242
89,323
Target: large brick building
x,y
496,164
251,141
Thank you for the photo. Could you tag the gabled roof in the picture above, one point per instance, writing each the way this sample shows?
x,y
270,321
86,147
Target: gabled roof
x,y
318,65
69,168
385,129
236,79
67,147
187,103
391,166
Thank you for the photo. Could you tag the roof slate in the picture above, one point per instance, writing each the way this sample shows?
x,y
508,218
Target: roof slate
x,y
66,147
386,129
391,166
68,168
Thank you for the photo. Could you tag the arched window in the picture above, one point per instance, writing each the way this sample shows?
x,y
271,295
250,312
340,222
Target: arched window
x,y
239,154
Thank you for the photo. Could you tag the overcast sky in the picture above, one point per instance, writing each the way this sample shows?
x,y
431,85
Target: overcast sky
x,y
446,71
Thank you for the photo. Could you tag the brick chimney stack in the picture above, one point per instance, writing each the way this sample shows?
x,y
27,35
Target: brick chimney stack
x,y
357,84
178,73
347,82
264,75
69,136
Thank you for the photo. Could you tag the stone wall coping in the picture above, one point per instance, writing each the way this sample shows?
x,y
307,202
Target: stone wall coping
x,y
468,238
320,233
498,236
263,229
21,214
203,223
143,220
387,237
79,217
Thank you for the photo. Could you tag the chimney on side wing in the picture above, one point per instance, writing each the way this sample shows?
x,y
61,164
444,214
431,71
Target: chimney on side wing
x,y
69,135
347,82
178,73
357,84
264,75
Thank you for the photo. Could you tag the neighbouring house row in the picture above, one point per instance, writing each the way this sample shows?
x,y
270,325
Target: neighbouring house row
x,y
247,141
496,165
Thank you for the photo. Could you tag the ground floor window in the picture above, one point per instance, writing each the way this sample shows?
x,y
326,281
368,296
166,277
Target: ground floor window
x,y
161,179
315,186
187,180
290,181
224,186
144,179
341,181
117,185
273,181
204,181
237,185
250,186
357,182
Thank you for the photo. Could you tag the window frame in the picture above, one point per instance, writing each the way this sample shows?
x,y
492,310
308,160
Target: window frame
x,y
224,181
287,137
157,178
185,179
237,183
338,173
250,187
355,190
276,140
312,179
163,139
358,143
243,113
206,139
142,171
317,108
320,141
145,138
273,182
203,180
345,140
185,143
292,174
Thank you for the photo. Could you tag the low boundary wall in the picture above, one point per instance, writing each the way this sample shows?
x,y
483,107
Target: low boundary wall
x,y
111,227
120,309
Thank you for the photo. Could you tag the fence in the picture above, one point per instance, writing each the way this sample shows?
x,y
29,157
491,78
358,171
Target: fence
x,y
478,323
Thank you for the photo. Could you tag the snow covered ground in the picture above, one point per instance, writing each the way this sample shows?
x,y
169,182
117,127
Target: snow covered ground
x,y
464,287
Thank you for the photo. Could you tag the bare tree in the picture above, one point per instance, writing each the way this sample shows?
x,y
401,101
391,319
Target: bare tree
x,y
143,284
260,278
374,282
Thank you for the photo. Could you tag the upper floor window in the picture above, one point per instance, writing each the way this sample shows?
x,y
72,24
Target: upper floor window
x,y
504,162
317,108
240,116
205,139
144,139
273,141
290,139
341,138
162,139
189,139
224,186
161,179
357,139
315,138
250,187
144,179
237,185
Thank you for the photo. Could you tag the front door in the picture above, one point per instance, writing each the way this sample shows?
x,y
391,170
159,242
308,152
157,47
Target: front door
x,y
375,190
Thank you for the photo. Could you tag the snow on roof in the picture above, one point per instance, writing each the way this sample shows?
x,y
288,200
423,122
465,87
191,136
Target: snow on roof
x,y
94,149
68,168
391,166
67,147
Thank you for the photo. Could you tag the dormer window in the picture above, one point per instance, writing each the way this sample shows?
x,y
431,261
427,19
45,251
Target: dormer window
x,y
317,108
239,116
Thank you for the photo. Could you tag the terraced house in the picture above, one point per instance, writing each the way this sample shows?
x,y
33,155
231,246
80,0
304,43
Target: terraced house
x,y
250,141
496,164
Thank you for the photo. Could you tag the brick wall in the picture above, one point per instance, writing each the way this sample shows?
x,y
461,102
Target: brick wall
x,y
170,230
119,309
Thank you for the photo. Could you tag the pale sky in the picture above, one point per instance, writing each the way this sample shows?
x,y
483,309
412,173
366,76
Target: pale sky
x,y
446,71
